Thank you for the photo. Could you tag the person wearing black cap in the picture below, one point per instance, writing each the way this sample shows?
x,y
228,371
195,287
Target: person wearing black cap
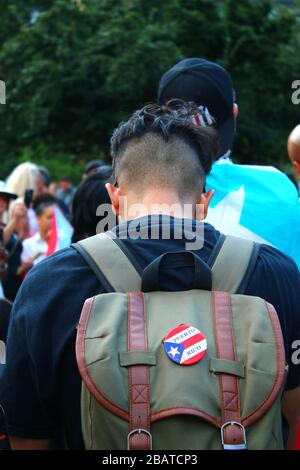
x,y
247,199
207,84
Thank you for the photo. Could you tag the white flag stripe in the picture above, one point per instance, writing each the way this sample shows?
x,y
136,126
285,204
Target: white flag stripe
x,y
183,335
194,350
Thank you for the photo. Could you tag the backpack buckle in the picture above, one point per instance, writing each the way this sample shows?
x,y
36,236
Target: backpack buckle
x,y
139,431
233,446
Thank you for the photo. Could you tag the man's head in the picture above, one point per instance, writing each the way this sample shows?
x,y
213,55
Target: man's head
x,y
207,84
160,155
294,149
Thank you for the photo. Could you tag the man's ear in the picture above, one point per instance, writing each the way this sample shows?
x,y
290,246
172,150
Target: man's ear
x,y
296,166
235,110
203,203
114,195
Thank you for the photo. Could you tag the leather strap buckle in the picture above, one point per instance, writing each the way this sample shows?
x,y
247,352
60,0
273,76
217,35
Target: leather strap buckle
x,y
139,431
240,446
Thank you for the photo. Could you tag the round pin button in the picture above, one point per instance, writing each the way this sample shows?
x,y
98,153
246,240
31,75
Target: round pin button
x,y
185,345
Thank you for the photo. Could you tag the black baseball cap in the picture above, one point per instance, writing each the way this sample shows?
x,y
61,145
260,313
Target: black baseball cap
x,y
207,84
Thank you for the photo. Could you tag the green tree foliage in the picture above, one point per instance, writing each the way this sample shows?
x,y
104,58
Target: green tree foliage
x,y
74,68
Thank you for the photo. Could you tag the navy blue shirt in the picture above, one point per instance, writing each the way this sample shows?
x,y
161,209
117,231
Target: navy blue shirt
x,y
40,387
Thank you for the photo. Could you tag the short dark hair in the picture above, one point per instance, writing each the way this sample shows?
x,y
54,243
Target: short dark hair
x,y
166,143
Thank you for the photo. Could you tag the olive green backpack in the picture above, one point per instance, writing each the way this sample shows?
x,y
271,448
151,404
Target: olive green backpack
x,y
135,396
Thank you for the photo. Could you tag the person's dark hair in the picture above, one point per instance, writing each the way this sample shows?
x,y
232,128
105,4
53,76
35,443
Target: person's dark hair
x,y
89,195
42,201
165,144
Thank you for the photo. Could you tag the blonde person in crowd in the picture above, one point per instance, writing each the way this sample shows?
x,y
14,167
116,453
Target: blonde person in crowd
x,y
23,178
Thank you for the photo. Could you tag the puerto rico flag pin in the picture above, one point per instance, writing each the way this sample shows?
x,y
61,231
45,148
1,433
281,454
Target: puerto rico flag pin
x,y
185,345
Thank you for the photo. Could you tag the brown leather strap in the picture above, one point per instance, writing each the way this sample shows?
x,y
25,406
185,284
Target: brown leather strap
x,y
232,434
139,437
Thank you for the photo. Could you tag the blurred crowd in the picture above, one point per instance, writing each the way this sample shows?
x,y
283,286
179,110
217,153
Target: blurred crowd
x,y
39,216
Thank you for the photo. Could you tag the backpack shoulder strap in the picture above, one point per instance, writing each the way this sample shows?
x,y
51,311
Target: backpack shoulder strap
x,y
111,262
117,270
234,264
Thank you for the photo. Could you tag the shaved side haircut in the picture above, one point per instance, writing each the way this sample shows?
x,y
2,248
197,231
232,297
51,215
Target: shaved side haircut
x,y
162,146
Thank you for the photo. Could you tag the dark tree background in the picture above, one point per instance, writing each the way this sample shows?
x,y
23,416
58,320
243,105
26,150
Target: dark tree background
x,y
74,68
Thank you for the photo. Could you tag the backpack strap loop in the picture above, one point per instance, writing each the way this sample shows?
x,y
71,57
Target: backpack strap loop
x,y
234,264
202,272
111,262
225,366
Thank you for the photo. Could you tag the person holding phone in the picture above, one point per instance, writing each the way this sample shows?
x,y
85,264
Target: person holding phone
x,y
10,246
15,268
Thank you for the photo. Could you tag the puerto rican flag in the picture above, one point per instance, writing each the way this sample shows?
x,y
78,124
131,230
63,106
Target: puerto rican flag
x,y
61,233
255,202
185,345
